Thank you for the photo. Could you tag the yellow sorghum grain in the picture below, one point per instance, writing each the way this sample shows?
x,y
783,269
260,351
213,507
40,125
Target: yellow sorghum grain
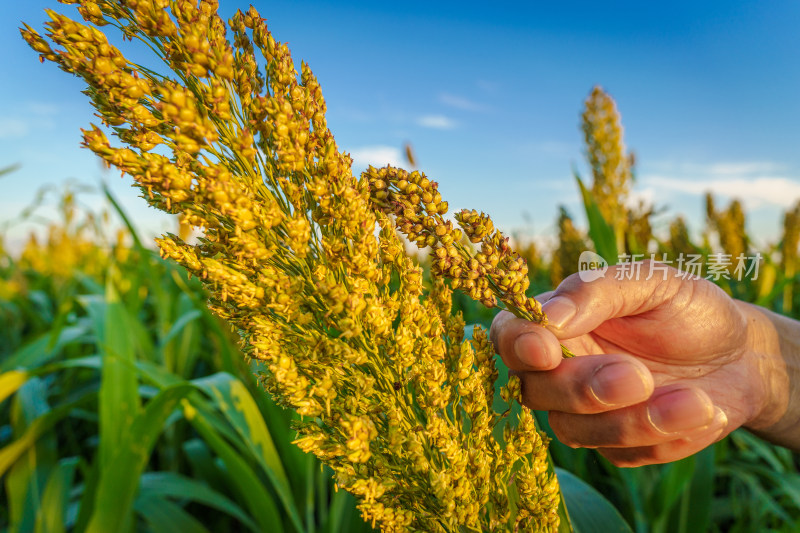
x,y
789,243
570,245
612,167
391,394
730,227
493,271
680,244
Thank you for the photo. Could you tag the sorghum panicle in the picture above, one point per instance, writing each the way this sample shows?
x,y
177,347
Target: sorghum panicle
x,y
612,167
492,271
789,243
730,227
571,243
392,395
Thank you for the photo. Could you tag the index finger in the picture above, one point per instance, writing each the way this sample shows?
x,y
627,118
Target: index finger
x,y
524,345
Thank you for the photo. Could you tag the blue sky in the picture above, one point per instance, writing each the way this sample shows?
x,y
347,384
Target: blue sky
x,y
490,99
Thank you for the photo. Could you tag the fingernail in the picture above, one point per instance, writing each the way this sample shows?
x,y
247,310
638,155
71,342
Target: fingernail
x,y
526,346
559,311
715,428
720,418
620,383
681,410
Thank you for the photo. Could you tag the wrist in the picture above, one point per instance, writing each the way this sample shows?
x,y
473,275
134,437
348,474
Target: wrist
x,y
772,351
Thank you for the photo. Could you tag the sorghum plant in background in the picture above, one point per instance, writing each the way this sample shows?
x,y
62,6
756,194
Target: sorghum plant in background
x,y
570,245
94,325
393,397
612,166
789,243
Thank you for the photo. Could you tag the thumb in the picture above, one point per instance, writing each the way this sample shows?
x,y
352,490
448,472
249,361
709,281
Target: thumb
x,y
578,307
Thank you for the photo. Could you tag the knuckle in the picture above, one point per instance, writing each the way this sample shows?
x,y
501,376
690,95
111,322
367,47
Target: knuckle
x,y
632,457
568,441
620,458
562,430
569,284
584,400
529,396
621,462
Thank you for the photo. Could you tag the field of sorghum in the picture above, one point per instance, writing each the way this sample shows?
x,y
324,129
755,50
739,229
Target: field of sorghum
x,y
128,403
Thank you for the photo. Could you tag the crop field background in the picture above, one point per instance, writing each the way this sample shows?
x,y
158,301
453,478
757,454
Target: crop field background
x,y
95,325
93,318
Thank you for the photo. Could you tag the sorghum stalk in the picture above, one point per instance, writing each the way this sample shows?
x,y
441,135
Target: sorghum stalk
x,y
391,394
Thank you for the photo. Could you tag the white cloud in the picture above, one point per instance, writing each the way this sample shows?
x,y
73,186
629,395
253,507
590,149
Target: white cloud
x,y
43,108
13,128
377,156
645,196
753,191
722,169
459,102
439,122
765,188
745,168
38,117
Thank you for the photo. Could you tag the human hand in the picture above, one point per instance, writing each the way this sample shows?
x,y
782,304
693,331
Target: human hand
x,y
664,367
